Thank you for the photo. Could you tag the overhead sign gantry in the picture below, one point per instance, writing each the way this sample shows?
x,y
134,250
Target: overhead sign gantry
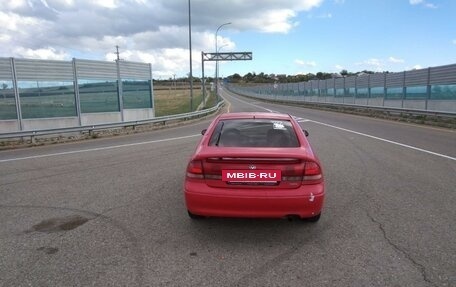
x,y
233,56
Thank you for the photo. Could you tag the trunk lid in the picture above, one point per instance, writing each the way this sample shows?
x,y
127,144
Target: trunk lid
x,y
289,163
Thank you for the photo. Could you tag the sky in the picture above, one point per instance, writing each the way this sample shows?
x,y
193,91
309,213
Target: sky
x,y
285,36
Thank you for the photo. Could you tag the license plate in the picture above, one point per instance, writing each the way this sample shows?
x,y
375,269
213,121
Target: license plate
x,y
249,175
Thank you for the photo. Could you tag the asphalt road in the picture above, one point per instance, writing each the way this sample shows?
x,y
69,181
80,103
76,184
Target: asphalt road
x,y
110,212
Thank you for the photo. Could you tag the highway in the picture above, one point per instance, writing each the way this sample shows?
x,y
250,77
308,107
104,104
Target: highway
x,y
110,212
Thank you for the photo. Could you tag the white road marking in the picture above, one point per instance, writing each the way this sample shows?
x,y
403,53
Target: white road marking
x,y
96,149
184,137
367,135
256,106
385,140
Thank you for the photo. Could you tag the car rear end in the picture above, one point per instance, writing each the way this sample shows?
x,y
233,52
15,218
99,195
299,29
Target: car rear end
x,y
254,179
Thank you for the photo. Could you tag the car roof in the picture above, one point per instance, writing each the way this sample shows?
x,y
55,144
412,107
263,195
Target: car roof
x,y
256,115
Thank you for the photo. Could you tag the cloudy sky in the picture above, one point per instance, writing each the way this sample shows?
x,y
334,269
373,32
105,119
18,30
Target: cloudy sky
x,y
285,36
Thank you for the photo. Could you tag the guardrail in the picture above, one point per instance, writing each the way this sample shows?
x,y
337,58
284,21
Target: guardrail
x,y
375,108
428,91
391,109
303,101
90,128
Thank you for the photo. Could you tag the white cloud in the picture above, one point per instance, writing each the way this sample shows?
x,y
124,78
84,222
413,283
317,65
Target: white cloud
x,y
273,21
14,23
320,16
339,67
15,4
415,67
110,4
43,53
152,31
430,5
305,64
4,38
374,64
422,2
325,16
381,65
395,60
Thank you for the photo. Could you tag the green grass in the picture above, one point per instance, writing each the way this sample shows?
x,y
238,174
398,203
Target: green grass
x,y
211,101
171,102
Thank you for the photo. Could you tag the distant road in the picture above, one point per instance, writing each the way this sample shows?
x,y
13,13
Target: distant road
x,y
110,212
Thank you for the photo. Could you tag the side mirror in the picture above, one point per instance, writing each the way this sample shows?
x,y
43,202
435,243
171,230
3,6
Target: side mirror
x,y
306,132
203,131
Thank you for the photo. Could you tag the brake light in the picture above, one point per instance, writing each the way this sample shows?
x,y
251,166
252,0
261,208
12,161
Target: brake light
x,y
312,173
195,169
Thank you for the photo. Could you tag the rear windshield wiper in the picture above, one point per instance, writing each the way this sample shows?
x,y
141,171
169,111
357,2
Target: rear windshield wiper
x,y
220,134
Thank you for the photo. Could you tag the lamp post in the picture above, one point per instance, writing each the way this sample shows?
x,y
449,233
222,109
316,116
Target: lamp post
x,y
216,61
217,69
190,49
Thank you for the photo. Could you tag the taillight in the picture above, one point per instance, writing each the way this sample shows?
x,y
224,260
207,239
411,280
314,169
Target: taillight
x,y
312,173
195,169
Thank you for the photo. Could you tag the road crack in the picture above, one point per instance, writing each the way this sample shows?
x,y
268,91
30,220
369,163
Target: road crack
x,y
396,247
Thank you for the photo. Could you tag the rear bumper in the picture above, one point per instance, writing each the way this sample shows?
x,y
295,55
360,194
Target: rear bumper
x,y
305,201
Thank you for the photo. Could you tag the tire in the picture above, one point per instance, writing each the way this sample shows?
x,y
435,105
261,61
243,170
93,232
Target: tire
x,y
195,216
312,219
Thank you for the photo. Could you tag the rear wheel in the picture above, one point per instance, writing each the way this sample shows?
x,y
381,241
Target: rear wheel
x,y
194,216
312,219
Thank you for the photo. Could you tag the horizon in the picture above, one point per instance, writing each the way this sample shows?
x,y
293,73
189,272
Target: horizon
x,y
285,37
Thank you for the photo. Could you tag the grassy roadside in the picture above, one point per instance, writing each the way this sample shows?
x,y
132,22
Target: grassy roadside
x,y
171,102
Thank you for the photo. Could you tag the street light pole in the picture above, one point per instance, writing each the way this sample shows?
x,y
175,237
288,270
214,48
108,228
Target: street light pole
x,y
216,61
190,47
217,68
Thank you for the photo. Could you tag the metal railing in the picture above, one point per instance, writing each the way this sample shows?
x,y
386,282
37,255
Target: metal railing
x,y
425,91
91,128
373,108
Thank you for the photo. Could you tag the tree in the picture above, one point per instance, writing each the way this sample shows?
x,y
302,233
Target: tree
x,y
235,78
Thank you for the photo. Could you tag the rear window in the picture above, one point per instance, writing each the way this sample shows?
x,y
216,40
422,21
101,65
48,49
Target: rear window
x,y
254,133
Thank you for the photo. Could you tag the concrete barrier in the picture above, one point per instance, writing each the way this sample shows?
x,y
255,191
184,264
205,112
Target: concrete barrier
x,y
138,114
100,118
48,123
415,104
9,126
441,105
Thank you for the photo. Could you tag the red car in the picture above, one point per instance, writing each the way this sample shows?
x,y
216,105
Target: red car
x,y
254,165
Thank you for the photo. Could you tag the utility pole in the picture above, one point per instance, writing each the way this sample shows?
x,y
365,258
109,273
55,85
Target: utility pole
x,y
117,53
119,84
